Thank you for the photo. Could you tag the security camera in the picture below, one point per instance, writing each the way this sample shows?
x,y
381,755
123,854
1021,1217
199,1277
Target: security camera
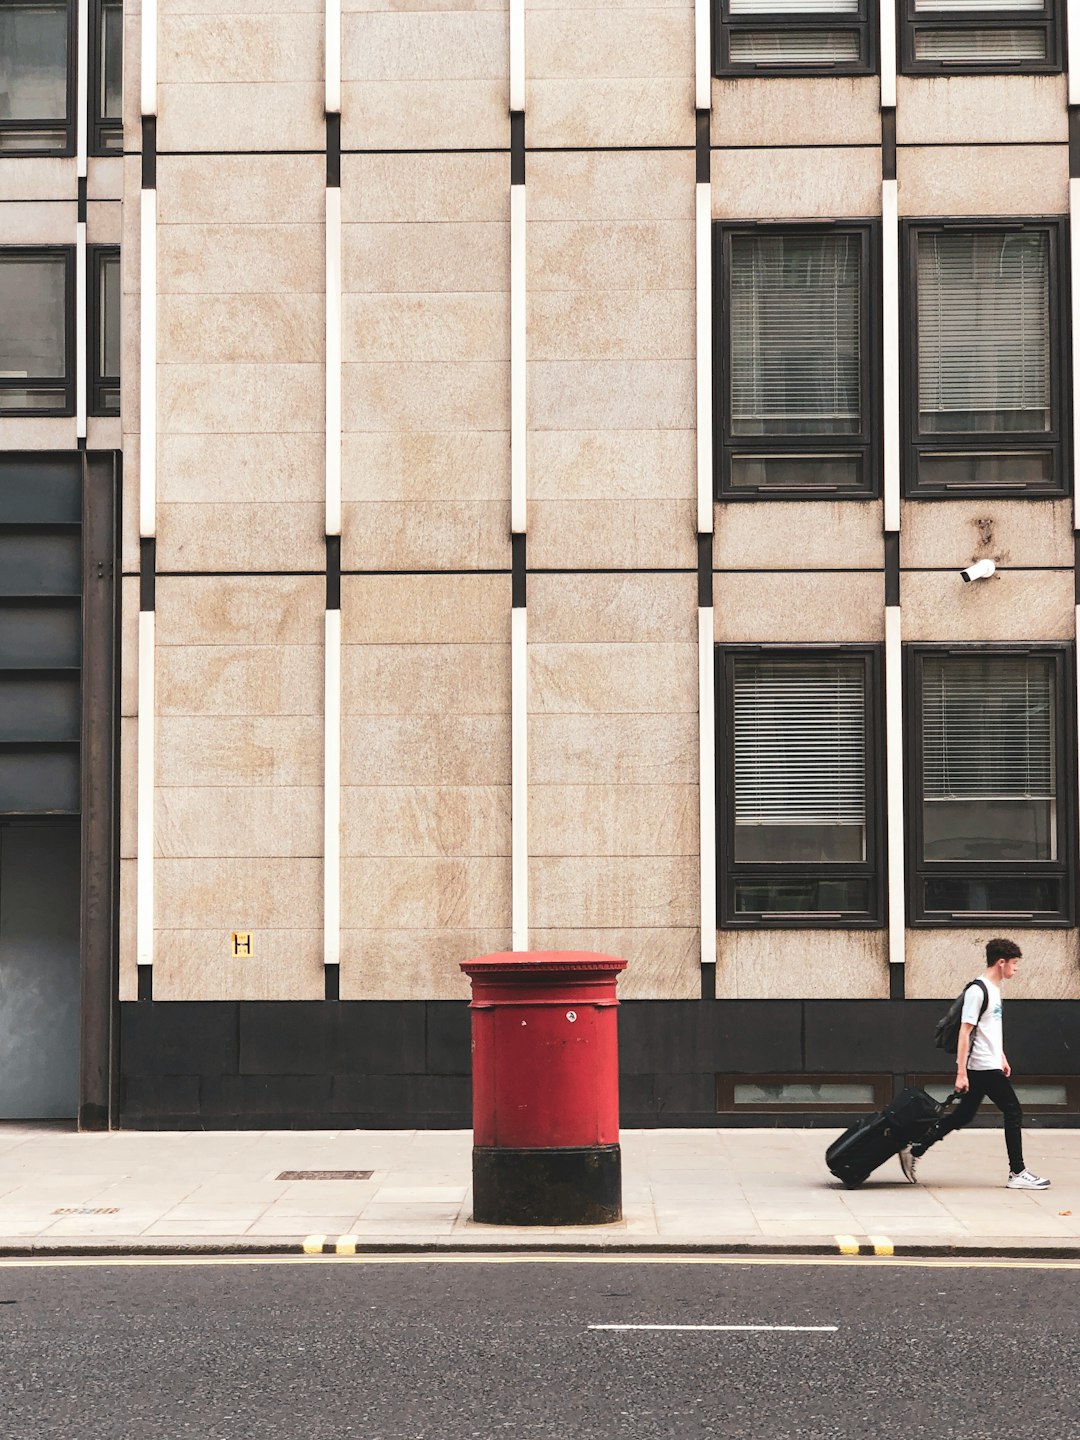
x,y
981,570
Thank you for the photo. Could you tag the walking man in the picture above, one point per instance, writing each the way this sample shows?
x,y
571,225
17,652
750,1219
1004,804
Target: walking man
x,y
983,1071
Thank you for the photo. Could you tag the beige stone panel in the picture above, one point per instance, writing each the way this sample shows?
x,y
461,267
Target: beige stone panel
x,y
940,962
230,823
802,964
49,222
129,645
610,186
423,257
223,49
425,535
425,609
104,432
412,964
240,189
245,536
32,433
612,534
239,680
576,44
1024,605
103,222
248,468
131,79
773,110
799,608
252,259
241,329
240,750
425,820
211,399
824,534
249,893
130,242
655,891
428,188
130,374
129,788
259,116
199,965
470,465
630,679
460,328
105,177
612,325
429,396
234,610
613,749
613,820
382,750
426,114
45,177
953,533
611,394
129,518
425,679
593,255
980,109
785,185
983,180
607,608
660,964
638,111
572,465
424,45
236,7
128,988
421,892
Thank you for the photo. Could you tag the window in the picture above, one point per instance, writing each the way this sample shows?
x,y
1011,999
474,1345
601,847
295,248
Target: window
x,y
795,367
805,1094
37,337
950,37
986,372
103,329
106,78
800,771
793,37
1039,1095
989,785
36,83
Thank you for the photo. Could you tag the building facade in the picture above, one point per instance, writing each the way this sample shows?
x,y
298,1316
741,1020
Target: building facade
x,y
478,477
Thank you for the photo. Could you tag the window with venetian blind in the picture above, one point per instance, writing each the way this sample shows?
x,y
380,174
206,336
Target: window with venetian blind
x,y
989,36
793,37
989,785
797,361
985,371
799,760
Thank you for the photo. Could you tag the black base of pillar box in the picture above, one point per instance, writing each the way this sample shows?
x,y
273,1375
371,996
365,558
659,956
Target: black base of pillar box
x,y
578,1186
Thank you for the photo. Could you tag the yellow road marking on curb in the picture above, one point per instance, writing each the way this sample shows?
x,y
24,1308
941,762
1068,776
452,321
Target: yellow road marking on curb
x,y
882,1244
847,1244
346,1245
313,1244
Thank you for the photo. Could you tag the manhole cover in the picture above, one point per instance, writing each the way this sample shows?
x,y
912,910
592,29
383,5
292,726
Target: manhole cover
x,y
88,1210
325,1175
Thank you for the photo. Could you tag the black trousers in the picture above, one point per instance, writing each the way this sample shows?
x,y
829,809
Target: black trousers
x,y
994,1085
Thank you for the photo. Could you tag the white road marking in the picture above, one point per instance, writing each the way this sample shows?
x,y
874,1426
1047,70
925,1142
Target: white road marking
x,y
801,1329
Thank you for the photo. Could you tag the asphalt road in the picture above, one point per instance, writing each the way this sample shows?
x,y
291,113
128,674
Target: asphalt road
x,y
429,1350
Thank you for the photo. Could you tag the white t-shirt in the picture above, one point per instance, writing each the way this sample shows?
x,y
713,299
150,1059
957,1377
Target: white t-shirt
x,y
987,1046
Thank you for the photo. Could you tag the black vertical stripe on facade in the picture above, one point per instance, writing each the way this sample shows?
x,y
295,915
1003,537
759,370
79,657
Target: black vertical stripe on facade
x,y
333,572
333,152
332,981
896,982
702,148
148,574
708,982
888,144
705,571
892,567
517,147
149,152
82,200
1074,146
146,982
518,573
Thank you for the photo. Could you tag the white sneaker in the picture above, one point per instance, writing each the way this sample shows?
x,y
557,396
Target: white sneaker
x,y
1025,1180
908,1162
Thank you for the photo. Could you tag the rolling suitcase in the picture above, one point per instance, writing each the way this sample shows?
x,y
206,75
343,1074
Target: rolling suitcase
x,y
876,1138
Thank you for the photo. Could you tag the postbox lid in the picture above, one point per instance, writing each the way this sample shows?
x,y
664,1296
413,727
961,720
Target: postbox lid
x,y
543,962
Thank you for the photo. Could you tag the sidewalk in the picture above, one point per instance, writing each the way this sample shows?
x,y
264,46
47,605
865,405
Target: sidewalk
x,y
735,1190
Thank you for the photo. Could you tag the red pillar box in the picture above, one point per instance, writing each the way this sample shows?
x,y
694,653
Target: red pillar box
x,y
545,1088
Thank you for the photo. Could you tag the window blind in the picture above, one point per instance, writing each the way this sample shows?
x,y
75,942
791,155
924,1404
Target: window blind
x,y
793,47
980,6
800,742
795,334
988,728
984,330
981,45
766,8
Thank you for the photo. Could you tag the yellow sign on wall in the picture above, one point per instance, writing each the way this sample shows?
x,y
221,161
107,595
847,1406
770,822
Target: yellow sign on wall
x,y
241,943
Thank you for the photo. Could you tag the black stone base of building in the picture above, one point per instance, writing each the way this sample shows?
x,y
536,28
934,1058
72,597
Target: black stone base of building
x,y
403,1064
579,1186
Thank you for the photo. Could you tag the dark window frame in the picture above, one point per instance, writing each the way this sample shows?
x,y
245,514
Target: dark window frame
x,y
99,129
62,386
873,869
912,22
726,1083
867,443
919,870
98,384
1054,441
865,24
31,127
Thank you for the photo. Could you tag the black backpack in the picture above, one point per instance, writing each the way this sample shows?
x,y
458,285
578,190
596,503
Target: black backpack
x,y
947,1030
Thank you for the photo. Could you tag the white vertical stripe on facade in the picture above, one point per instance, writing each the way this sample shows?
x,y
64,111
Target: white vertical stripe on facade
x,y
887,47
148,364
148,47
333,361
80,330
1072,29
894,781
1074,261
518,435
332,792
707,781
703,54
890,340
703,231
519,777
144,863
333,57
82,66
517,55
